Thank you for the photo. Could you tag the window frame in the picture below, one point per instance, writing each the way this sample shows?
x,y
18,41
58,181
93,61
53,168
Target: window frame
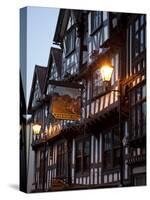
x,y
84,170
141,27
71,32
94,27
112,149
60,165
135,63
134,107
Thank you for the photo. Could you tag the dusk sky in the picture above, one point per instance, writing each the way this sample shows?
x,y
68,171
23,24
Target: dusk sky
x,y
41,23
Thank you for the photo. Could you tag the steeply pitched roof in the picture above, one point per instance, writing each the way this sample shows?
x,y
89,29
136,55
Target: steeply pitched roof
x,y
61,25
62,22
40,73
56,56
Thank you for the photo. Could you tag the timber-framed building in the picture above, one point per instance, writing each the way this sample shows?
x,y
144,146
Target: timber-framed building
x,y
107,146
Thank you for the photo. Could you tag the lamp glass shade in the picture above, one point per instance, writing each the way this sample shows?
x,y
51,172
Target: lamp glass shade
x,y
36,128
106,72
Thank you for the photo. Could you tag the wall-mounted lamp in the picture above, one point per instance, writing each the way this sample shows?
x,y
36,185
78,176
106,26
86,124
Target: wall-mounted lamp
x,y
106,72
36,129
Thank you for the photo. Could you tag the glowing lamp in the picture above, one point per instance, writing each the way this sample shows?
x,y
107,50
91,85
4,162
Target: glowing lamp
x,y
36,128
106,72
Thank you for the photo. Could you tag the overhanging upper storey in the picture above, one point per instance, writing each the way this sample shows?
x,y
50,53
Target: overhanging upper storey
x,y
68,36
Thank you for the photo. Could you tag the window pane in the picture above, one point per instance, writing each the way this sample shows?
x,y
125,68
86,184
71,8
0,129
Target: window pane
x,y
92,108
78,156
88,90
140,179
86,162
87,111
78,164
138,94
70,41
138,66
86,153
78,149
108,141
97,83
136,25
143,64
144,91
142,20
86,148
105,33
132,97
116,158
136,45
107,160
95,20
142,41
144,118
60,160
116,66
116,138
114,22
105,15
138,120
133,121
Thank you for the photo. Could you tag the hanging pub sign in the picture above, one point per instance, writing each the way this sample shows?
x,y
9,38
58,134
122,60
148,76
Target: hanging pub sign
x,y
66,102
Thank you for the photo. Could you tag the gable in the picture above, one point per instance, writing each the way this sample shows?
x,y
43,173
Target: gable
x,y
36,93
70,22
38,85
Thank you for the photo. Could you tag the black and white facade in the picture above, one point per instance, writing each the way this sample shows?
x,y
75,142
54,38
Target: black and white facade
x,y
107,146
